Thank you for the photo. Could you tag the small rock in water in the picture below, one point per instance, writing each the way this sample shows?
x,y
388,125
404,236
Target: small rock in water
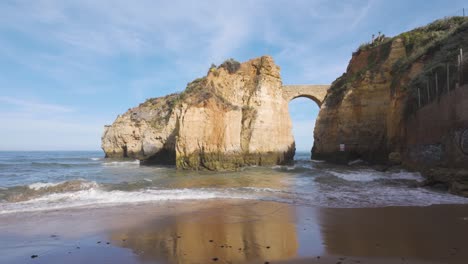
x,y
99,242
34,256
77,247
53,235
107,243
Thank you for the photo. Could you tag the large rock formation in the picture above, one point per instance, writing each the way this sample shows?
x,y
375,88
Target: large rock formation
x,y
234,116
367,109
360,110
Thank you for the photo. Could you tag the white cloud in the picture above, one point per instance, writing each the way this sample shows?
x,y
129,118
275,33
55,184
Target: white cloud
x,y
149,48
34,106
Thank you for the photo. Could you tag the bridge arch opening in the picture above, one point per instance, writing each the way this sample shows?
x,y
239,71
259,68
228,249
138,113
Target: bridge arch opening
x,y
303,110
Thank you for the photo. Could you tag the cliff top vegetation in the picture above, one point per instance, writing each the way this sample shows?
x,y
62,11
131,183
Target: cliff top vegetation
x,y
435,44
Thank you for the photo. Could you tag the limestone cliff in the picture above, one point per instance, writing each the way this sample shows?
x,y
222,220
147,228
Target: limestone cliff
x,y
367,108
234,116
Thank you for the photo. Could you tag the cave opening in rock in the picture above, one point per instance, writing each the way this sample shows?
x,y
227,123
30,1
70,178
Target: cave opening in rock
x,y
303,111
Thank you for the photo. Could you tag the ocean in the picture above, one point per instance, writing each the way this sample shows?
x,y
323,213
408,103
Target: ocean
x,y
57,180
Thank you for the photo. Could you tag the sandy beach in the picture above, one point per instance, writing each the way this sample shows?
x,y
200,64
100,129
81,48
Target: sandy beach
x,y
236,231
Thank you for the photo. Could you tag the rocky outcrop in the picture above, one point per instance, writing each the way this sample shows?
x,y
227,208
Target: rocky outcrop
x,y
456,181
366,110
146,132
358,115
234,116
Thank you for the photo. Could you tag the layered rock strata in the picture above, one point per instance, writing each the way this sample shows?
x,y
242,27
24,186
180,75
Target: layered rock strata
x,y
367,110
234,116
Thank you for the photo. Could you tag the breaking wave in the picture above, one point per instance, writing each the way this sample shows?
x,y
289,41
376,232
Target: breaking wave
x,y
35,182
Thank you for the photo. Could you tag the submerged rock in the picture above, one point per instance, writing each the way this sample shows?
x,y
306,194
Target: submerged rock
x,y
234,116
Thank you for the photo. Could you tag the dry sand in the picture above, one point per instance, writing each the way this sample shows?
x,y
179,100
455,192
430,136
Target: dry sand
x,y
233,231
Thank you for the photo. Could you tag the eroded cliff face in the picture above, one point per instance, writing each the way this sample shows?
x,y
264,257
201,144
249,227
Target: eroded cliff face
x,y
368,107
364,116
234,116
146,132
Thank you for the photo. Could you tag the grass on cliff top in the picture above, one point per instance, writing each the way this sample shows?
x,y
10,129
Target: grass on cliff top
x,y
200,90
435,44
196,92
164,106
377,54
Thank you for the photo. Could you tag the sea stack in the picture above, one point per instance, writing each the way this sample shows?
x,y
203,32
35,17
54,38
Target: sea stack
x,y
234,116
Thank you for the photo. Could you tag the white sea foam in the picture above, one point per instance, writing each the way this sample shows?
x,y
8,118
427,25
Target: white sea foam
x,y
41,185
95,159
97,198
79,183
121,163
361,175
338,196
372,175
405,175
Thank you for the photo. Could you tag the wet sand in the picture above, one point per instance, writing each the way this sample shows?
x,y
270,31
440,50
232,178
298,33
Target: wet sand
x,y
236,231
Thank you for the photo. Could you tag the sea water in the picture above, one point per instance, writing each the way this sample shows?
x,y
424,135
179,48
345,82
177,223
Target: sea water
x,y
55,180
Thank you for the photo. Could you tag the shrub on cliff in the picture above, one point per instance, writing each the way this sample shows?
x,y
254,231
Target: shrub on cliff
x,y
435,45
231,65
337,90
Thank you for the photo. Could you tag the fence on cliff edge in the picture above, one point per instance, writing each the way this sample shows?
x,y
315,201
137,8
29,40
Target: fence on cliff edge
x,y
442,79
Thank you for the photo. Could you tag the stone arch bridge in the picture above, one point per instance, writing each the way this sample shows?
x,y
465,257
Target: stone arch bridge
x,y
315,92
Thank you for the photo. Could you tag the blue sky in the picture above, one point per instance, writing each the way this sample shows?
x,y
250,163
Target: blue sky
x,y
69,67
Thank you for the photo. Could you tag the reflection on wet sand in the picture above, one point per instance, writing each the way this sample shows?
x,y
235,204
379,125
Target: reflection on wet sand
x,y
435,233
237,234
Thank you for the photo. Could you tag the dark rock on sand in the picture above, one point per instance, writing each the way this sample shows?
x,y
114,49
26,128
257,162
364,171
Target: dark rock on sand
x,y
455,180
